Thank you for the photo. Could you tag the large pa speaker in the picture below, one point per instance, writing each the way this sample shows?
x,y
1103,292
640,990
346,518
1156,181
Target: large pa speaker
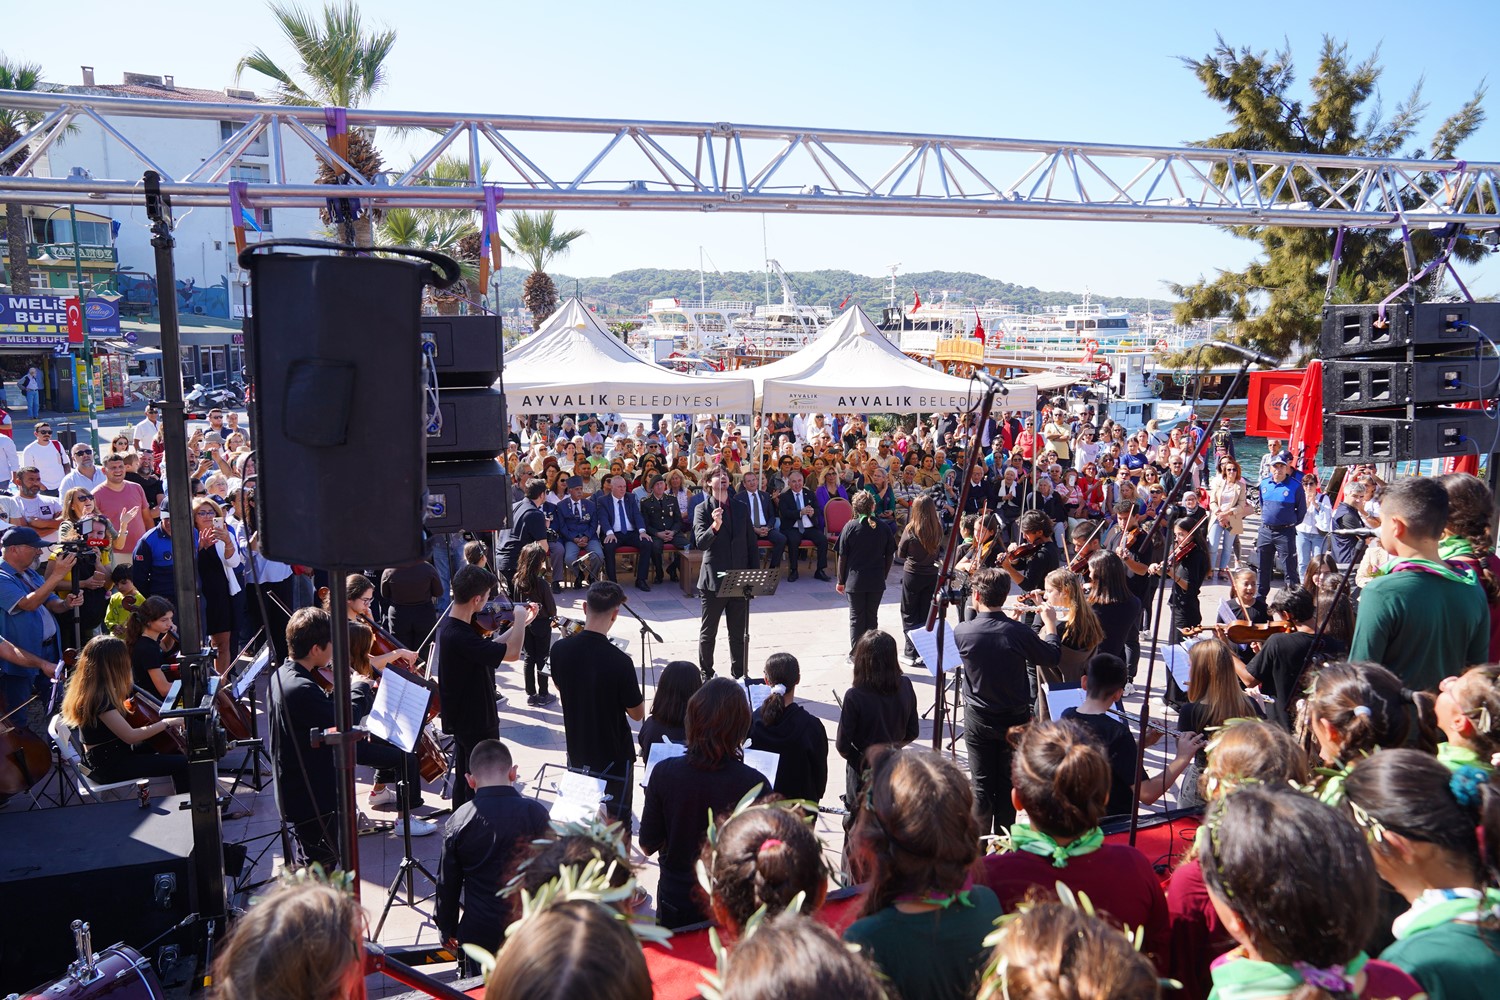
x,y
1353,330
1374,385
336,359
1436,432
466,488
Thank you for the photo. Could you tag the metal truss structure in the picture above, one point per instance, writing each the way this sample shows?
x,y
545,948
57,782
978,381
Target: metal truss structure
x,y
588,164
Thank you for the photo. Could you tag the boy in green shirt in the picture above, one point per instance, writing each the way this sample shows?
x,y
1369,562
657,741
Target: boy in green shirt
x,y
122,587
1421,618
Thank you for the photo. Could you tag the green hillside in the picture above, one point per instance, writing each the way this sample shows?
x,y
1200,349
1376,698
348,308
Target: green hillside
x,y
628,292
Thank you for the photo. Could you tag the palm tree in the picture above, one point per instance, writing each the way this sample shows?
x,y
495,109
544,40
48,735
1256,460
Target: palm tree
x,y
452,231
13,124
535,238
339,65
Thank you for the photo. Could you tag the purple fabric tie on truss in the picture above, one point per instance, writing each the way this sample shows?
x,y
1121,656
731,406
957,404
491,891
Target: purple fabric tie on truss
x,y
1439,261
336,120
494,194
1338,246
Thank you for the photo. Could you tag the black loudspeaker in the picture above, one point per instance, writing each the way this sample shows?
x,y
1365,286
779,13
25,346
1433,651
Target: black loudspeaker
x,y
1373,385
125,870
466,488
1353,330
1435,432
335,355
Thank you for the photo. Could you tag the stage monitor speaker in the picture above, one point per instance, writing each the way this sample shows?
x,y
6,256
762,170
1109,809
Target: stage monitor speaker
x,y
125,870
1436,432
473,496
1355,330
1375,385
335,353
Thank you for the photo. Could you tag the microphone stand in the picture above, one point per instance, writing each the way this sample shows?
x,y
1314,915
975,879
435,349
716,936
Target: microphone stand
x,y
1338,595
937,615
647,634
1173,495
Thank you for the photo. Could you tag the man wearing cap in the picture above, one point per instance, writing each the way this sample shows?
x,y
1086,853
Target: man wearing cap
x,y
575,522
1283,505
152,570
26,597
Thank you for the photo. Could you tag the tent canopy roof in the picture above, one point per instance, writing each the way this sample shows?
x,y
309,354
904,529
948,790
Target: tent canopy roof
x,y
572,363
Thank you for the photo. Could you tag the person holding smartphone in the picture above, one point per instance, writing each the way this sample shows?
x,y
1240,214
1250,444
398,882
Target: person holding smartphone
x,y
217,557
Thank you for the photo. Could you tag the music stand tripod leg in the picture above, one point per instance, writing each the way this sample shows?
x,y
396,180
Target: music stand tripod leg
x,y
409,866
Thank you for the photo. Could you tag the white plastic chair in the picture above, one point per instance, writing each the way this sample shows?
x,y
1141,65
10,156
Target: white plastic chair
x,y
63,738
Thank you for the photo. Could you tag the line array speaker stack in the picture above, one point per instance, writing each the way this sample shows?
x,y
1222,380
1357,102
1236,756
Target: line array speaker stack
x,y
1390,384
466,488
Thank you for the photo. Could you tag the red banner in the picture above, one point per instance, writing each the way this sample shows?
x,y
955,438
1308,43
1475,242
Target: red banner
x,y
75,320
1273,399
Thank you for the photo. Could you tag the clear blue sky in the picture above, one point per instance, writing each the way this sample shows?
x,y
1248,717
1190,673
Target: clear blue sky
x,y
1082,71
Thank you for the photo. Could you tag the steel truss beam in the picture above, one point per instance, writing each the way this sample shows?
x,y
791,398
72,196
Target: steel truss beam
x,y
589,164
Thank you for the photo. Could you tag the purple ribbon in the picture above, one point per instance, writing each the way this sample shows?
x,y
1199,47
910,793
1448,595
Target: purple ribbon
x,y
336,120
1331,979
494,194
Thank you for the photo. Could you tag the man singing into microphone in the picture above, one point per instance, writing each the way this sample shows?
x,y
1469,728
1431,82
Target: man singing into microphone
x,y
722,531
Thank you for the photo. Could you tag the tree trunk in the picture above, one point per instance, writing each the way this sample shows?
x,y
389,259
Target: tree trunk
x,y
15,240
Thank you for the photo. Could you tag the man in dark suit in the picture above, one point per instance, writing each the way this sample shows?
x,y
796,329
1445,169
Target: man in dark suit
x,y
576,523
620,523
801,520
761,511
305,777
664,521
721,529
995,650
981,490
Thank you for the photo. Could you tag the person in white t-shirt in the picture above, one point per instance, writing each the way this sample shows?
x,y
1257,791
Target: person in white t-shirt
x,y
27,506
9,460
85,475
46,456
145,432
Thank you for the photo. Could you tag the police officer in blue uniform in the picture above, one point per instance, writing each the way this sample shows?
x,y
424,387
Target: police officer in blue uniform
x,y
1283,504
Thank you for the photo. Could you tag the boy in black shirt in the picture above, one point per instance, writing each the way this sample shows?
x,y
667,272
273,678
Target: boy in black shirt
x,y
1103,683
481,842
597,683
466,663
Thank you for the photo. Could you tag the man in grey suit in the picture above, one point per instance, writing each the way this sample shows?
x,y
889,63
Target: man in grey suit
x,y
721,530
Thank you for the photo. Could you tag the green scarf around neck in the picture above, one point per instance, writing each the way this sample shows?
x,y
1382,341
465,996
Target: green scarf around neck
x,y
1454,547
1026,838
1444,911
1249,979
1398,563
1452,756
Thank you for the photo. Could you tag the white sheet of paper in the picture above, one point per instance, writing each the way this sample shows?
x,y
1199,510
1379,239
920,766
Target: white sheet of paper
x,y
757,693
926,643
765,762
251,672
578,798
400,709
1176,659
665,750
1059,700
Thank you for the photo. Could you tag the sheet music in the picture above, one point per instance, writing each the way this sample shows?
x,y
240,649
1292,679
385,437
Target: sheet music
x,y
400,709
926,642
665,750
765,762
578,798
1060,699
251,672
1176,659
757,693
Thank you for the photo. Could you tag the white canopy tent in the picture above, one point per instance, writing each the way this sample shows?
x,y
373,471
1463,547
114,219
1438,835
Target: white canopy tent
x,y
853,366
573,364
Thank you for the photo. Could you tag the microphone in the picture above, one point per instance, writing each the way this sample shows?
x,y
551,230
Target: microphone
x,y
1247,352
1356,532
990,382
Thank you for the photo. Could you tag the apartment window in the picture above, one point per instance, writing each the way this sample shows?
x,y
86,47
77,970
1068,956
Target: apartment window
x,y
253,173
256,148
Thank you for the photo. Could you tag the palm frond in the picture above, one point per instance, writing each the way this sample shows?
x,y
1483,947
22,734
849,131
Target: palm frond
x,y
338,63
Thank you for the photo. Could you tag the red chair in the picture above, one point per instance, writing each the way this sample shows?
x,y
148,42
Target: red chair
x,y
837,512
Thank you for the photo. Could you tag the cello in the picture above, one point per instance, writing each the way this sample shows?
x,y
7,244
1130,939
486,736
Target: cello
x,y
24,756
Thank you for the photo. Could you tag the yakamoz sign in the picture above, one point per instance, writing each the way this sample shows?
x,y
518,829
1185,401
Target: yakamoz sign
x,y
1272,402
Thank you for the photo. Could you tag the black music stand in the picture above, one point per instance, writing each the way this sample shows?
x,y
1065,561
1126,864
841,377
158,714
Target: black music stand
x,y
256,754
409,866
749,584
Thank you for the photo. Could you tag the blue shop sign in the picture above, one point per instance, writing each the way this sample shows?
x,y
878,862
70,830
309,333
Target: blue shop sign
x,y
42,320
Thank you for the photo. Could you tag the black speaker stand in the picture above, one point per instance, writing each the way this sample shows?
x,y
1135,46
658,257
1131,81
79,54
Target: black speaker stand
x,y
408,868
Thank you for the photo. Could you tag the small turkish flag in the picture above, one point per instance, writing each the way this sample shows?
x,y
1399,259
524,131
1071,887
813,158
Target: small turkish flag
x,y
75,321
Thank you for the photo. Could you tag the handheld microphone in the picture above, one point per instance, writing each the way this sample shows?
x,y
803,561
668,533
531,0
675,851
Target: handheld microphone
x,y
1356,532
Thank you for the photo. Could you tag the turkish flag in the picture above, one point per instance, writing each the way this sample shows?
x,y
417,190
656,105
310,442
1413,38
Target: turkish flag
x,y
1273,400
918,304
1307,418
75,321
978,327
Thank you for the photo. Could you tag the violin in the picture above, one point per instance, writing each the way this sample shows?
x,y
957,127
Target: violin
x,y
1243,633
1023,550
169,640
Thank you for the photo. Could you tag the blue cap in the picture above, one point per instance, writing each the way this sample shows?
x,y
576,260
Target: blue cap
x,y
21,535
1282,458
